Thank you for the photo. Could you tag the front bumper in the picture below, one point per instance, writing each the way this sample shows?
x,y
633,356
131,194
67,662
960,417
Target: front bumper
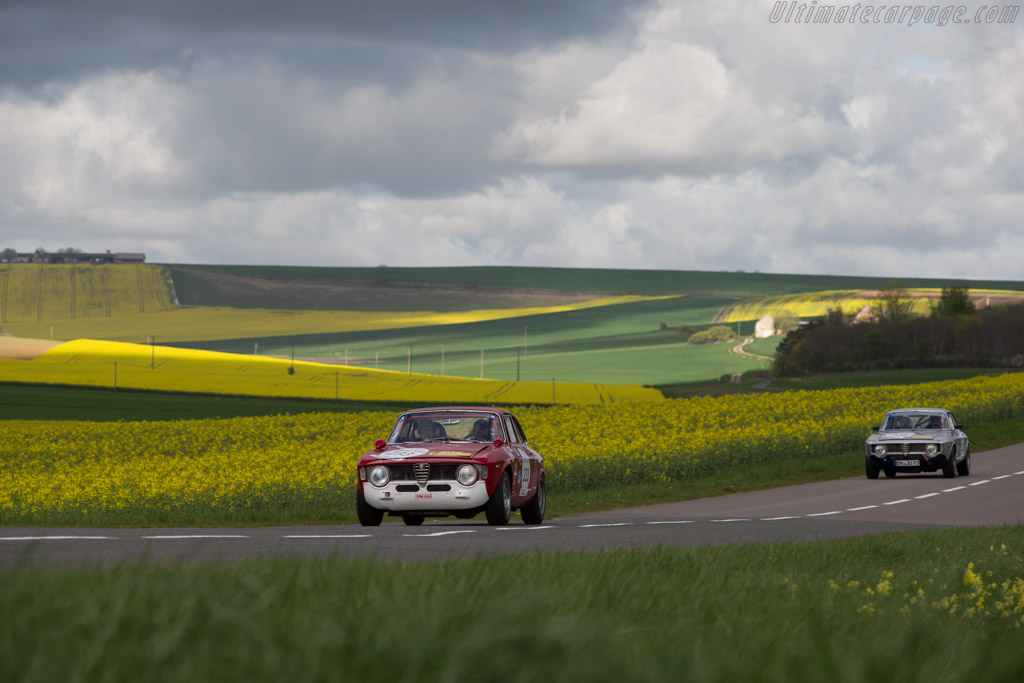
x,y
909,462
430,498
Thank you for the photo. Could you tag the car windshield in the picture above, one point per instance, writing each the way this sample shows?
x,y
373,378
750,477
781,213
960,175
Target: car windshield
x,y
449,425
915,421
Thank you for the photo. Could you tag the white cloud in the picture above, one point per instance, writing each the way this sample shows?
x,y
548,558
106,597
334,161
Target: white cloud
x,y
701,136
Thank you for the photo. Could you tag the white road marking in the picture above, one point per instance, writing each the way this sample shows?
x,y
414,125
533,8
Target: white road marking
x,y
329,536
731,520
56,538
824,514
865,507
1021,472
927,495
1005,476
187,536
522,528
979,483
897,502
441,533
955,488
776,519
593,526
678,521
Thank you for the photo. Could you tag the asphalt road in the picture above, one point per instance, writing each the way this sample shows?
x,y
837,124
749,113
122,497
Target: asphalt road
x,y
992,495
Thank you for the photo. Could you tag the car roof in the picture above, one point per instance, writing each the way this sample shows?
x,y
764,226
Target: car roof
x,y
918,410
477,409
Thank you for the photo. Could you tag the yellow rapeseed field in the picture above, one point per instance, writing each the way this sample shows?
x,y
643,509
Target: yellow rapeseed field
x,y
814,304
147,472
120,365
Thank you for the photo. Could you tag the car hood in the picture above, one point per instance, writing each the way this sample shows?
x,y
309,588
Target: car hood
x,y
909,435
419,451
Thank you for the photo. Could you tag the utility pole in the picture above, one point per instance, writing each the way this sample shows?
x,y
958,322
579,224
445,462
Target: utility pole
x,y
517,365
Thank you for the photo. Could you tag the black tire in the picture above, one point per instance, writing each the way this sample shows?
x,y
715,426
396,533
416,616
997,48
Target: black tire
x,y
949,468
533,513
870,469
890,472
963,468
499,507
367,514
413,520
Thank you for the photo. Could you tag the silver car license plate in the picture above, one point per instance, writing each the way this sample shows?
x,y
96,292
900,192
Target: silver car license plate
x,y
907,463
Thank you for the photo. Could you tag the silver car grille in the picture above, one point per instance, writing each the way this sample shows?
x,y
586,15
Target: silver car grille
x,y
422,472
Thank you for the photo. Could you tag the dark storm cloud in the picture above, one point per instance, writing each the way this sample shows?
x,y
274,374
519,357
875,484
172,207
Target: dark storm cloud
x,y
45,41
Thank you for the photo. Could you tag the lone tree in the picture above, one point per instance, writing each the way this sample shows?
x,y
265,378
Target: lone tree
x,y
8,254
955,300
894,303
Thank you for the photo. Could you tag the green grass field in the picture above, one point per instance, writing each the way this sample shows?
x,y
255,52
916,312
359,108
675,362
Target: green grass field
x,y
600,280
928,606
617,344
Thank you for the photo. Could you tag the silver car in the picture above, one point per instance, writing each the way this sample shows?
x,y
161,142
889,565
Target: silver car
x,y
918,440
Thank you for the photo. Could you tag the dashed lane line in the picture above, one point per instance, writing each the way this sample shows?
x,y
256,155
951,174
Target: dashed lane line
x,y
56,538
441,533
329,536
673,521
180,537
594,526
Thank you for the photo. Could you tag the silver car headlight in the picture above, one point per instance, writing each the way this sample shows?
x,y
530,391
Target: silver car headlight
x,y
931,449
467,475
380,475
880,450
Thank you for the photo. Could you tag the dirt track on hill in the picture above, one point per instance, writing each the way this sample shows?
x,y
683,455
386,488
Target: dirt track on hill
x,y
15,348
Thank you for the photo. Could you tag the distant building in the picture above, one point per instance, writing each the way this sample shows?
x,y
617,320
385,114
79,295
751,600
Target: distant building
x,y
765,327
864,315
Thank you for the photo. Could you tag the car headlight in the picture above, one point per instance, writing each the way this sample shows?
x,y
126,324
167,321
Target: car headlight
x,y
467,475
880,450
931,449
380,475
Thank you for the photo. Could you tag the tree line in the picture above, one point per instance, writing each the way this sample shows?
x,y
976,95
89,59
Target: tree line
x,y
955,334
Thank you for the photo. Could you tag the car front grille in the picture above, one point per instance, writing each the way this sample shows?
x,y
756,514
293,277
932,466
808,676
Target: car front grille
x,y
423,472
908,448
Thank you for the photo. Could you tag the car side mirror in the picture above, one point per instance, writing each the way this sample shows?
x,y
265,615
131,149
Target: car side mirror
x,y
875,428
958,426
379,444
498,443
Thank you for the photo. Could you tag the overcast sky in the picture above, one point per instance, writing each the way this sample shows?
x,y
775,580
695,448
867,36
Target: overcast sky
x,y
710,135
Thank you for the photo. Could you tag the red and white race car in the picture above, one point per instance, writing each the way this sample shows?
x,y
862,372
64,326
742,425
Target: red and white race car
x,y
439,462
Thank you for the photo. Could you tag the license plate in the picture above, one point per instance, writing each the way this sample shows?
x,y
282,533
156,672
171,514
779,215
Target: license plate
x,y
907,463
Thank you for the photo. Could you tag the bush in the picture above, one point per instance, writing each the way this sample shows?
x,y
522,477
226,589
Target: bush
x,y
718,333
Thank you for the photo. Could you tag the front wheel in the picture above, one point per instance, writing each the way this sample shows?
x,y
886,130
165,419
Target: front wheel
x,y
949,469
870,469
534,512
963,468
367,514
499,507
